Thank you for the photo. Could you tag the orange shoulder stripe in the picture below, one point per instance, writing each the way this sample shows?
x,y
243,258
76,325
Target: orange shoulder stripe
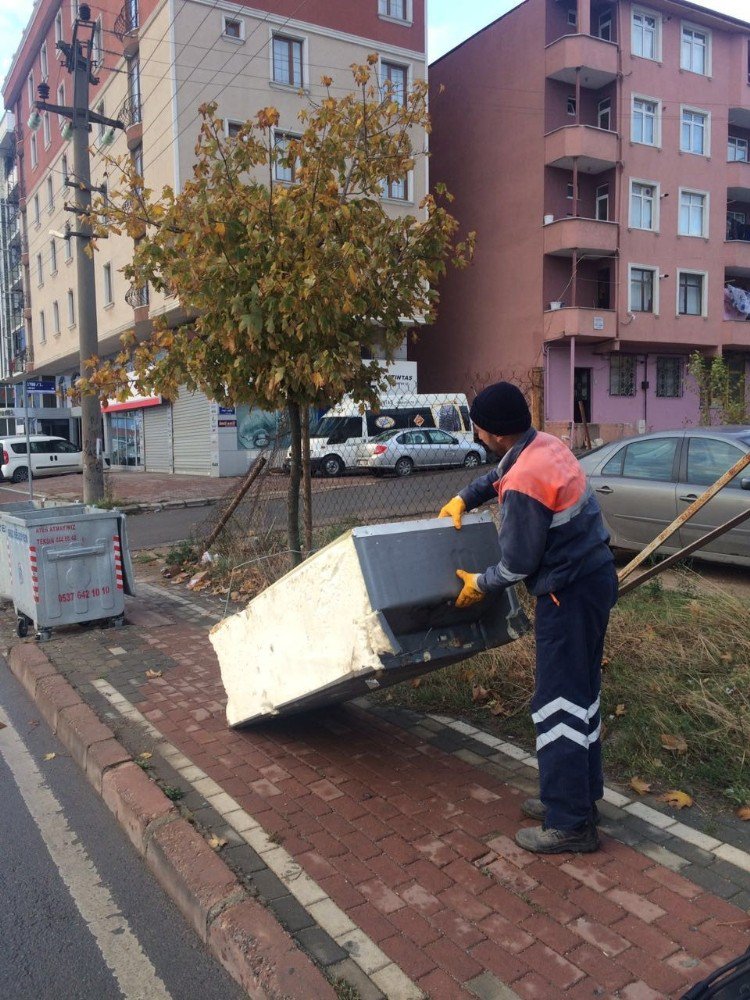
x,y
547,471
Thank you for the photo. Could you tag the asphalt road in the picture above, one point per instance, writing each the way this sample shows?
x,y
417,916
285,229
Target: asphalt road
x,y
81,917
349,500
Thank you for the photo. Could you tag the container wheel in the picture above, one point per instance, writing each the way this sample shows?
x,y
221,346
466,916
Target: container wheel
x,y
22,627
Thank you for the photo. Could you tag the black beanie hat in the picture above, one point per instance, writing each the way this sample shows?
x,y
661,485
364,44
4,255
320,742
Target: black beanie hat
x,y
501,409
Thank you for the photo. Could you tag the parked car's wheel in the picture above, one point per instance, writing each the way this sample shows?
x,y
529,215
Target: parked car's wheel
x,y
404,466
472,460
20,475
332,465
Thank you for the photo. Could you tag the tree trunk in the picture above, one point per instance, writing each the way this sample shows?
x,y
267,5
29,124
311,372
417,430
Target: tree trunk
x,y
307,518
295,477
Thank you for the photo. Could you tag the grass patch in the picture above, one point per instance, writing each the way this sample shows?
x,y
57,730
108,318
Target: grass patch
x,y
677,662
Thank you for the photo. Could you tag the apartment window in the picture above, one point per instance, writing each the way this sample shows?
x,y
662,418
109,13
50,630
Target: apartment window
x,y
694,132
46,130
42,328
55,318
605,26
64,171
69,249
50,194
645,40
643,204
394,78
396,9
137,155
134,88
233,129
37,213
39,269
43,63
736,225
572,106
737,149
694,50
234,28
52,257
691,293
100,111
604,114
572,17
642,287
693,214
287,61
108,298
621,375
396,189
34,153
96,44
30,90
569,190
61,119
283,171
668,377
645,124
602,203
58,26
71,308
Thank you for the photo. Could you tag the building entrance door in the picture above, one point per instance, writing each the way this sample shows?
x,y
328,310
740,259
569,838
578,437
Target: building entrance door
x,y
126,438
582,394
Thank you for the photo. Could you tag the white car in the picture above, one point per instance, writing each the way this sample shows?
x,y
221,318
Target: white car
x,y
401,451
50,456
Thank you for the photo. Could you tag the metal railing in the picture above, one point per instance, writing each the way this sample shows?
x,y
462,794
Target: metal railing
x,y
137,296
130,112
127,20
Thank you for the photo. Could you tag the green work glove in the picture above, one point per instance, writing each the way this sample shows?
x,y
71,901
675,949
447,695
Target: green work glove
x,y
470,593
455,509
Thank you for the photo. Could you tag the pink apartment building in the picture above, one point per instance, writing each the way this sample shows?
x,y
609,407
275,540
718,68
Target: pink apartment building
x,y
600,151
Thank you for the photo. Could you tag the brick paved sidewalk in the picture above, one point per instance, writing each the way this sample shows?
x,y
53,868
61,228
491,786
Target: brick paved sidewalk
x,y
382,840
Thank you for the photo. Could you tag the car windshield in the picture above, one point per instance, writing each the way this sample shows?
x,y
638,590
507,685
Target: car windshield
x,y
387,435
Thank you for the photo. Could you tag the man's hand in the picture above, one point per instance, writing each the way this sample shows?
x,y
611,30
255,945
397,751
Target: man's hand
x,y
455,509
470,593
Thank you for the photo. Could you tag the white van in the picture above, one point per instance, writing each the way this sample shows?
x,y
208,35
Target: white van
x,y
335,441
50,456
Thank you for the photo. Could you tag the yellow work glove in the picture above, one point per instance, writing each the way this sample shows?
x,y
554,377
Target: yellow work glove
x,y
455,508
470,594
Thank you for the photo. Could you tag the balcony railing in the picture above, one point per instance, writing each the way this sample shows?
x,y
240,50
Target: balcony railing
x,y
20,360
127,20
137,296
130,112
739,231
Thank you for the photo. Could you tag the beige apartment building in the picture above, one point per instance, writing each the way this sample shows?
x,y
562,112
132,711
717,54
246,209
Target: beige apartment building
x,y
156,63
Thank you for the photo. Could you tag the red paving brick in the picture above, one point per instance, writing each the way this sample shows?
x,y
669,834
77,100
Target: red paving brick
x,y
416,847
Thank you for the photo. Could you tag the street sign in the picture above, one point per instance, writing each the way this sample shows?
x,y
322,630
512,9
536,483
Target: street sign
x,y
40,385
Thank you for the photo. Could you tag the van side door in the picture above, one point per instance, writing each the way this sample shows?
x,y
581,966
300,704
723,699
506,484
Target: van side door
x,y
42,460
66,457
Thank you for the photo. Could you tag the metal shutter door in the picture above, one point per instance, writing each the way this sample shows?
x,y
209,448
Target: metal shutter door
x,y
157,433
191,433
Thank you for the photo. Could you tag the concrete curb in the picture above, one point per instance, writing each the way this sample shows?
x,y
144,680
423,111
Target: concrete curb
x,y
241,934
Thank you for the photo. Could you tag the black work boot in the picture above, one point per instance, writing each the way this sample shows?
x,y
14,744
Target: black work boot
x,y
535,809
540,840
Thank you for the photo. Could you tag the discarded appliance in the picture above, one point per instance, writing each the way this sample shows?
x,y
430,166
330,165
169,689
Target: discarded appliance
x,y
372,609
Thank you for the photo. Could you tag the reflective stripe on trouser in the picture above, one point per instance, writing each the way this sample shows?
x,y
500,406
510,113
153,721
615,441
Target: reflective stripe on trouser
x,y
565,707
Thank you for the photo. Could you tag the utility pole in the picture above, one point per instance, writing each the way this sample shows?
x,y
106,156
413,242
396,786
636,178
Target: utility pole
x,y
79,61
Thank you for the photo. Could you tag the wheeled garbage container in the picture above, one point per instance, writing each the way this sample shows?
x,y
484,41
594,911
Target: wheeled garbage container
x,y
374,608
8,508
67,566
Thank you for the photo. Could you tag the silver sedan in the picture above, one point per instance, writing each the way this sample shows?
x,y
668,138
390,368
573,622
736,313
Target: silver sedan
x,y
401,451
643,483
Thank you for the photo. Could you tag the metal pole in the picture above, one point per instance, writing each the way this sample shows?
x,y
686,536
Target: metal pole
x,y
91,419
28,442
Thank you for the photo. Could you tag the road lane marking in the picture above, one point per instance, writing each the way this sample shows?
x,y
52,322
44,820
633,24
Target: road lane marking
x,y
117,944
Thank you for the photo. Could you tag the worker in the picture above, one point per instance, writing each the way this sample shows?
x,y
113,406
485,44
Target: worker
x,y
552,536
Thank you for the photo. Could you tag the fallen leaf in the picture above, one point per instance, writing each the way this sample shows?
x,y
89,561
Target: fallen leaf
x,y
216,842
416,682
479,694
605,661
235,595
49,756
676,743
678,800
146,755
620,710
640,786
197,579
726,657
152,674
497,708
743,812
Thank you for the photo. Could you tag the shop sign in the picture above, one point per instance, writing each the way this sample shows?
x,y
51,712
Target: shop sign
x,y
134,400
227,423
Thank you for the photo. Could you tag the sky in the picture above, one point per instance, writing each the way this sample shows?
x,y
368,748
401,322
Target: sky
x,y
449,22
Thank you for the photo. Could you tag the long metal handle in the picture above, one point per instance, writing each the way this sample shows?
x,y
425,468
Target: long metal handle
x,y
83,550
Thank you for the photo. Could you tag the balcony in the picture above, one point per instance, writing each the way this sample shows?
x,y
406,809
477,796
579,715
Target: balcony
x,y
593,324
596,58
738,180
11,183
594,148
130,115
572,234
137,296
126,27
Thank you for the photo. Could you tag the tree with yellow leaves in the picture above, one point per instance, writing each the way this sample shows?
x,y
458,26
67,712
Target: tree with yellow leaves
x,y
289,286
